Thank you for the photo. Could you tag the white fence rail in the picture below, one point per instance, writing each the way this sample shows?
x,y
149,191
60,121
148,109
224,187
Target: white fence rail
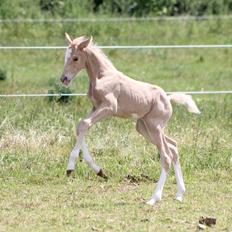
x,y
193,46
84,94
115,47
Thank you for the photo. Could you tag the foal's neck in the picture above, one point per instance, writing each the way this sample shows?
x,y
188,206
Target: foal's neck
x,y
97,64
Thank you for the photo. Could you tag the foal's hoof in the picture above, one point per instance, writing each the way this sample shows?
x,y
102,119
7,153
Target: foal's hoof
x,y
179,198
69,172
179,195
151,202
101,174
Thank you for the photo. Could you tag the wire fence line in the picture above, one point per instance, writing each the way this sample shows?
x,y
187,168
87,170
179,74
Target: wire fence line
x,y
190,46
84,94
116,20
112,47
43,94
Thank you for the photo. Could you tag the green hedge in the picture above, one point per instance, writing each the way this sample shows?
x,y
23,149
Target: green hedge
x,y
81,8
2,75
167,7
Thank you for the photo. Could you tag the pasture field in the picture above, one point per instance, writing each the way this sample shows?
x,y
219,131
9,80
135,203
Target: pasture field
x,y
37,135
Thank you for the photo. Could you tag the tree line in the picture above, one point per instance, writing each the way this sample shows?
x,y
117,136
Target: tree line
x,y
137,8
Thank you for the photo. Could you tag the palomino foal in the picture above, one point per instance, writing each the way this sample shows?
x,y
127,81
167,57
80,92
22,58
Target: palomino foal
x,y
114,94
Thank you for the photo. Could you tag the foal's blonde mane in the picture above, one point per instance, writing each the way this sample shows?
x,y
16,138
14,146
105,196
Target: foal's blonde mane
x,y
101,55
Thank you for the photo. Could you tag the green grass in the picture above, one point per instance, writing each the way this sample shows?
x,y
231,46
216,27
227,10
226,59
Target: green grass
x,y
36,136
91,205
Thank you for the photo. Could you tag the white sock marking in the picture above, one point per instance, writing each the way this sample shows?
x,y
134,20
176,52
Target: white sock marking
x,y
159,188
88,159
179,181
74,154
73,157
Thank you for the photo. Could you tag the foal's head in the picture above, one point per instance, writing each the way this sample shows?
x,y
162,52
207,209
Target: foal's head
x,y
75,58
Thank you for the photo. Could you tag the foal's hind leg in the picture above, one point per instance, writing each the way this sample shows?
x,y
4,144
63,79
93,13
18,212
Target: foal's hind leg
x,y
170,141
151,133
141,128
177,169
178,174
156,136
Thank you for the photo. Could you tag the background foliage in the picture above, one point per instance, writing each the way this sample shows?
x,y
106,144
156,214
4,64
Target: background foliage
x,y
78,8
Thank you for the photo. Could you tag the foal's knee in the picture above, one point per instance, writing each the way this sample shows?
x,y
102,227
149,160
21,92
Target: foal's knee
x,y
83,126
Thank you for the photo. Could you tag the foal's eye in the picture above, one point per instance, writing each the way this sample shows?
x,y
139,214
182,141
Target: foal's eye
x,y
75,58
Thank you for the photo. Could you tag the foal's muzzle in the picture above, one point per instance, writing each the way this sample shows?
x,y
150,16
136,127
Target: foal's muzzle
x,y
65,80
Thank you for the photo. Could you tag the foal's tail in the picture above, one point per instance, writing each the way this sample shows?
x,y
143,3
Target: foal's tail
x,y
185,100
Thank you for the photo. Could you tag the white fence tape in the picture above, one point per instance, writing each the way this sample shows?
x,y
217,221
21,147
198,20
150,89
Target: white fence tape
x,y
42,94
122,47
84,94
117,20
114,47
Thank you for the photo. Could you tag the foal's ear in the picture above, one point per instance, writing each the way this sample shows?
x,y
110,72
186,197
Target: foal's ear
x,y
85,43
69,40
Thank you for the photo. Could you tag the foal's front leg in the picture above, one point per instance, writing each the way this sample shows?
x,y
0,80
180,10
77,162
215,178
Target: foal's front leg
x,y
73,156
88,159
82,128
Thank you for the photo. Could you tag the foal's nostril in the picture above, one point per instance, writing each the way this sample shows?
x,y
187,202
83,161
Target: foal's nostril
x,y
63,78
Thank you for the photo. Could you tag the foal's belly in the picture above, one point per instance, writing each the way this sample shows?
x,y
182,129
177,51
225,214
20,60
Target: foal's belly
x,y
129,115
132,109
137,100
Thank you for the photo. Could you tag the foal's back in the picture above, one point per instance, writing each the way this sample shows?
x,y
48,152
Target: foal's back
x,y
139,98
